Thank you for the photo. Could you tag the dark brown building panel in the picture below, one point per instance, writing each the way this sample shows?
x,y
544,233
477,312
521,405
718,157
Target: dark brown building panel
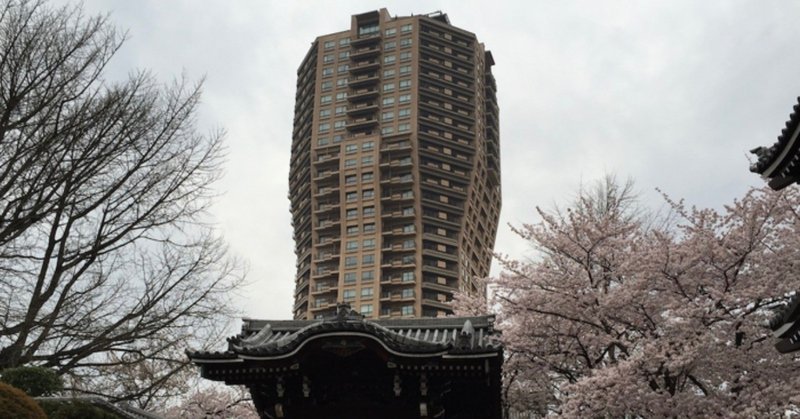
x,y
395,171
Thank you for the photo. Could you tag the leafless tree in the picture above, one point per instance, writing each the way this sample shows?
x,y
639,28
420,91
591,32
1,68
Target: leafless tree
x,y
108,267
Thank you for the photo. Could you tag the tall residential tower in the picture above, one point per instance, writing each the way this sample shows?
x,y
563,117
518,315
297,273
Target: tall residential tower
x,y
395,170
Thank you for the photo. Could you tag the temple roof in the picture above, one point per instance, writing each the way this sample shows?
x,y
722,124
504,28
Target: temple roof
x,y
780,163
413,337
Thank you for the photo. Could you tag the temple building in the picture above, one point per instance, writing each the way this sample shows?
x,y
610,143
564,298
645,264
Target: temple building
x,y
395,172
395,199
347,366
779,165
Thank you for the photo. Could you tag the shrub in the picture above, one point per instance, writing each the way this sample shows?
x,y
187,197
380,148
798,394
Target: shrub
x,y
14,403
36,381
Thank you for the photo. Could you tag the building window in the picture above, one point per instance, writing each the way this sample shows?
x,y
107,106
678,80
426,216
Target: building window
x,y
329,44
344,42
388,87
408,228
405,69
367,177
343,68
350,179
407,194
324,113
351,196
406,28
405,42
326,85
369,228
340,110
338,125
388,73
368,29
387,130
324,127
327,58
368,244
389,59
325,99
408,293
389,45
352,245
351,213
337,139
350,163
327,71
407,310
368,194
403,113
408,244
346,54
387,116
368,146
366,160
366,310
366,292
390,31
350,261
403,98
342,96
386,101
349,295
408,211
405,56
349,277
403,127
342,82
368,260
408,276
369,211
367,276
405,84
352,230
322,141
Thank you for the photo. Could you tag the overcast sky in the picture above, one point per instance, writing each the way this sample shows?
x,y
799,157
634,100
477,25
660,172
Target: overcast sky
x,y
670,93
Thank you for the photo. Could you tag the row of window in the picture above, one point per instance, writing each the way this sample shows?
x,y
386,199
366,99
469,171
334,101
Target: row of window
x,y
365,30
353,196
365,161
366,276
389,86
368,228
391,59
388,46
365,244
353,179
365,146
350,294
353,212
352,261
405,127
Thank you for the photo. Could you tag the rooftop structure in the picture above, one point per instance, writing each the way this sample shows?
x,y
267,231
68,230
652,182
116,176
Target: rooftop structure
x,y
395,171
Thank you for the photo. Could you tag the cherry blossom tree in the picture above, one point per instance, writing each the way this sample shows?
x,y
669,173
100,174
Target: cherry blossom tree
x,y
622,313
217,402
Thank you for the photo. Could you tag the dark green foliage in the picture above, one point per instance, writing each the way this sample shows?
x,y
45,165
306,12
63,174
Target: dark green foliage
x,y
36,381
74,409
14,403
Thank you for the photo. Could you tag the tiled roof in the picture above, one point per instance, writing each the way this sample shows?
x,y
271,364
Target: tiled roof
x,y
781,161
448,336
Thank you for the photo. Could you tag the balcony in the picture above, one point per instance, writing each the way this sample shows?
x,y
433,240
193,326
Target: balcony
x,y
363,80
362,108
368,51
361,123
362,94
361,66
397,296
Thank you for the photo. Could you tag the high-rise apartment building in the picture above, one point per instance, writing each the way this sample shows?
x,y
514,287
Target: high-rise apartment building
x,y
395,170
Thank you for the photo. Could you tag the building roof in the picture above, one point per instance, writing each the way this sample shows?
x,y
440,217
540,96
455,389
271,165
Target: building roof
x,y
780,163
450,337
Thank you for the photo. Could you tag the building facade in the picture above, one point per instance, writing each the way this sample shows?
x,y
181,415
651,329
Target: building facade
x,y
395,170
